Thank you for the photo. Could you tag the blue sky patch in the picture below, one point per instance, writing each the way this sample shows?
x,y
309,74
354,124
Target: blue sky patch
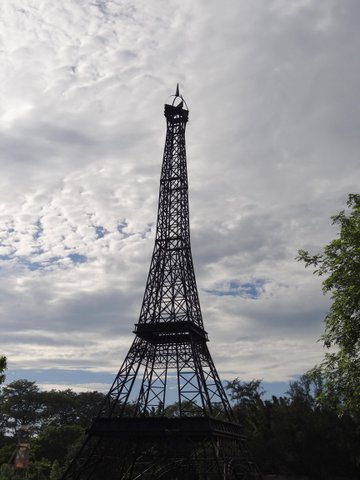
x,y
235,288
77,258
62,378
100,231
121,229
30,265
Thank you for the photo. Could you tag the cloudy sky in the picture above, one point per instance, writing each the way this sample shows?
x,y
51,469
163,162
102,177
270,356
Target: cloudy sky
x,y
272,146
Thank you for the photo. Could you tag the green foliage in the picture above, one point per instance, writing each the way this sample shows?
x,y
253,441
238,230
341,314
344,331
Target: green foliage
x,y
21,408
8,472
67,407
26,410
308,389
36,471
56,471
53,422
340,264
2,369
245,393
6,450
173,410
296,435
53,442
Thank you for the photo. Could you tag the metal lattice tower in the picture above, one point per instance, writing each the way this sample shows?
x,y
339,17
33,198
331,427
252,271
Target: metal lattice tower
x,y
142,431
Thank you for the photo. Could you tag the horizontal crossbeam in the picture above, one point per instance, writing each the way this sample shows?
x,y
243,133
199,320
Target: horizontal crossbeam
x,y
192,427
170,332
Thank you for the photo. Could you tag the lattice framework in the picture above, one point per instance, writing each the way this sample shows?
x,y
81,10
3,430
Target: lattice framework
x,y
134,436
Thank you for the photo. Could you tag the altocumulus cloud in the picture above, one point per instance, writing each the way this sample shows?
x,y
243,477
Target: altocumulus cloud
x,y
272,148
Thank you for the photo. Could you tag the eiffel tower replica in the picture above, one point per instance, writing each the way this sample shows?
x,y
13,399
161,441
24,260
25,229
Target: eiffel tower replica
x,y
166,415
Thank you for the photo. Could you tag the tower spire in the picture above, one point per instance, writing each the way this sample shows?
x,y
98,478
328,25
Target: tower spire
x,y
166,415
177,94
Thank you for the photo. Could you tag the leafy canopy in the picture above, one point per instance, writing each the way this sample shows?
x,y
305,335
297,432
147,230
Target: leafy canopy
x,y
2,369
340,264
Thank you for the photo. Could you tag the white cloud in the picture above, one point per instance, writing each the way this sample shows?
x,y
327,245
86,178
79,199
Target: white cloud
x,y
272,147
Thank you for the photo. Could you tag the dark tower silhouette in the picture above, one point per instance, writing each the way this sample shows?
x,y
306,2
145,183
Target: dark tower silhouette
x,y
166,415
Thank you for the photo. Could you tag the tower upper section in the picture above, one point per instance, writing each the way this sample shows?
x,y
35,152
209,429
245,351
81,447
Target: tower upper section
x,y
177,111
171,293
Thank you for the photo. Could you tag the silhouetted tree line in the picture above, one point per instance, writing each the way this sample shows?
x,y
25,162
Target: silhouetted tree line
x,y
52,422
300,434
293,435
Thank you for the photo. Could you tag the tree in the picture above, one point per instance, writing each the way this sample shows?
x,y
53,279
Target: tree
x,y
88,405
55,473
249,412
65,407
26,410
340,264
295,435
2,369
245,393
53,443
307,389
21,408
